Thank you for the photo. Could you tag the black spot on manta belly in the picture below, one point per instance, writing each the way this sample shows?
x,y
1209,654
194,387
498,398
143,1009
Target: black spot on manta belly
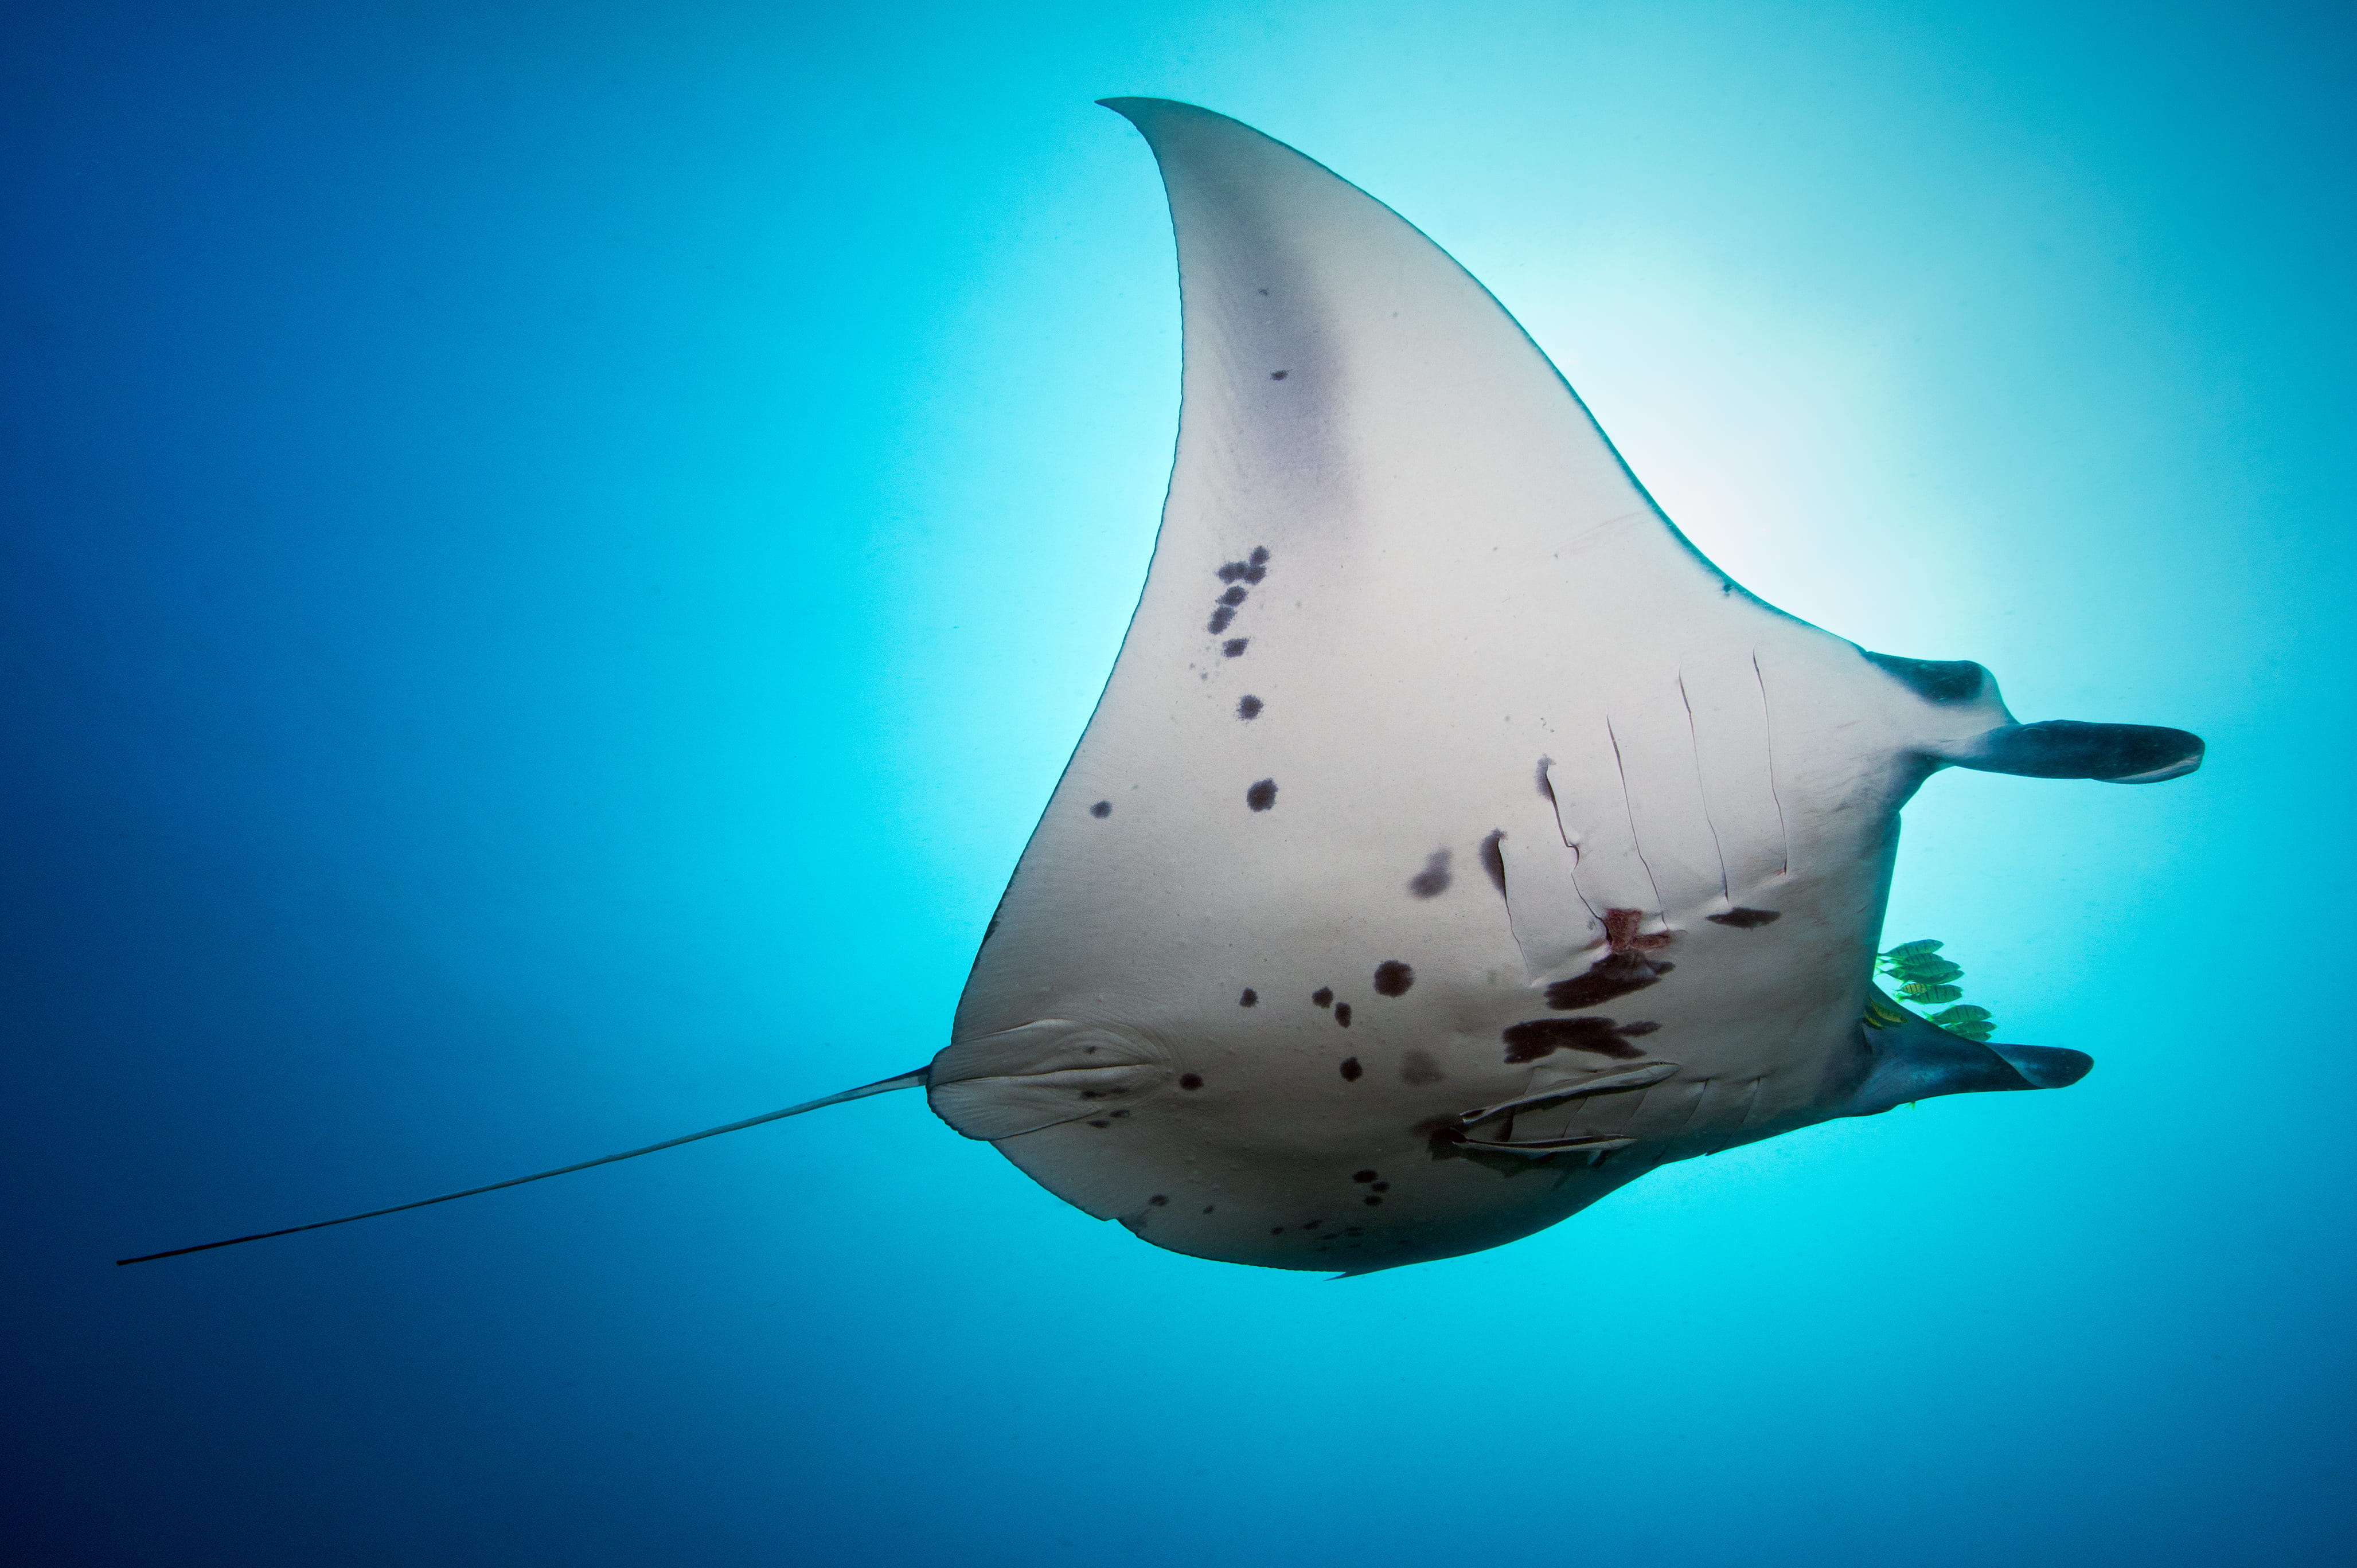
x,y
1420,1066
1614,974
1234,647
1262,796
1259,556
1248,708
1250,998
1745,919
1362,1175
1536,1038
1220,619
1191,1080
1157,1200
1493,860
1233,597
1433,879
1343,1014
1323,997
1101,808
1278,375
1393,978
1233,570
1351,1070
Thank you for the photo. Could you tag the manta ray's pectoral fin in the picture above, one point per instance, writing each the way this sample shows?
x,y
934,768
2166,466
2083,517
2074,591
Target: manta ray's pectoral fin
x,y
2069,748
1914,1059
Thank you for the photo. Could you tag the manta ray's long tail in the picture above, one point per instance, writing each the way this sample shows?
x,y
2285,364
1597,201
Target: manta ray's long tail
x,y
906,1080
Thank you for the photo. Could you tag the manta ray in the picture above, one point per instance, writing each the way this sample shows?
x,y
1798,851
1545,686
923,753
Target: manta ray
x,y
1453,843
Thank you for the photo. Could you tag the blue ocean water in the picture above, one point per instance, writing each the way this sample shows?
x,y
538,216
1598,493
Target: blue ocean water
x,y
553,552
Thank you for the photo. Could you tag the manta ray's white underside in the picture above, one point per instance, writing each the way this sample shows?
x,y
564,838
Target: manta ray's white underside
x,y
1453,843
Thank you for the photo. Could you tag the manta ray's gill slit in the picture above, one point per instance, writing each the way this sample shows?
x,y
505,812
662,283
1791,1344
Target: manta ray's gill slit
x,y
1702,790
1628,809
1768,727
1554,804
1701,1088
1730,1132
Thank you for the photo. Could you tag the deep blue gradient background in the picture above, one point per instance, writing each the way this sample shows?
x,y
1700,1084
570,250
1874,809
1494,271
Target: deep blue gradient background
x,y
553,552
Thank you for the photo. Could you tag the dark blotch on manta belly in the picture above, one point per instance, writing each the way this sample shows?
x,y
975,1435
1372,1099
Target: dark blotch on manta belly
x,y
1343,1014
1262,796
1251,998
1101,808
1614,975
1528,1041
1234,647
1493,860
1745,919
1249,707
1433,880
1351,1070
1323,997
1393,978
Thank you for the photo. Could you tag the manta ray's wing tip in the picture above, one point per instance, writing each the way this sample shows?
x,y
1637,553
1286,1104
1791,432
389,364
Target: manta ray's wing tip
x,y
1141,111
